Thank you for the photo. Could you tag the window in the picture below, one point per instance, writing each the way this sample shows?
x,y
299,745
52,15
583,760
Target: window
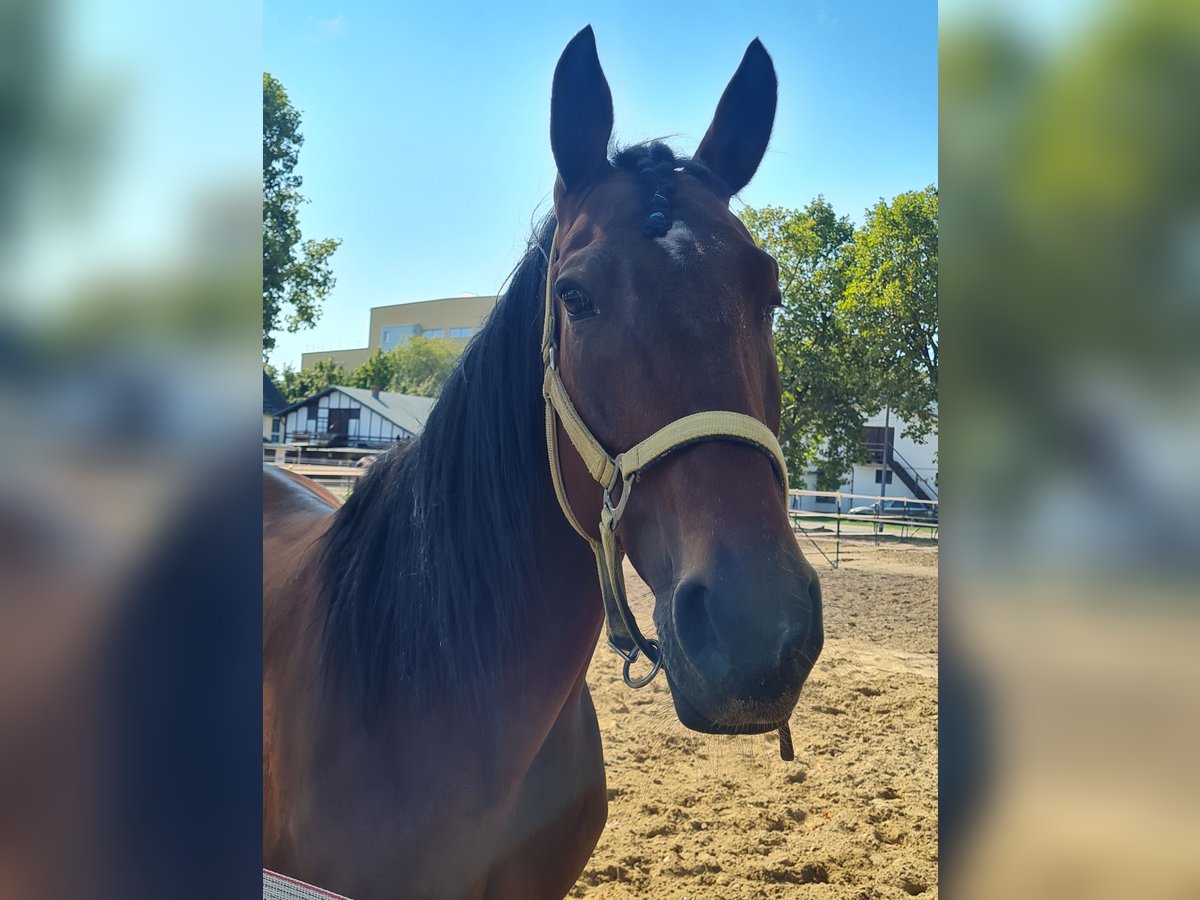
x,y
339,421
879,479
461,332
826,499
433,332
396,336
874,440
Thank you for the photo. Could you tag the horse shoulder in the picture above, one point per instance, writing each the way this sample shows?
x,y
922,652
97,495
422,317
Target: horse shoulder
x,y
286,493
296,513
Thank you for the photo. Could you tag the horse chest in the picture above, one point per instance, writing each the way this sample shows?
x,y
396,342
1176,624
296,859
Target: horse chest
x,y
425,818
560,810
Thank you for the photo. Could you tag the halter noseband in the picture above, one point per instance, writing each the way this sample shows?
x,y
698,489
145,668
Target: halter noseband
x,y
624,636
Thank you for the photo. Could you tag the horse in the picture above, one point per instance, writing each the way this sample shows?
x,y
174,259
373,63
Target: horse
x,y
428,730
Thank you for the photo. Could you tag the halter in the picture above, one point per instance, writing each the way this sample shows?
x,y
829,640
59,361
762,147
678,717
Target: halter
x,y
624,636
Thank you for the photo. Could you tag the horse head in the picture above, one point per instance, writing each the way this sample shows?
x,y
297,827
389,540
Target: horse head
x,y
662,309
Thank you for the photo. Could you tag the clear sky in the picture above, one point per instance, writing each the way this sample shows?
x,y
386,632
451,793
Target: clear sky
x,y
427,125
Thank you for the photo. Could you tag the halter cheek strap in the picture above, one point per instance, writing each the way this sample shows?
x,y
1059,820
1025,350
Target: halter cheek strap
x,y
624,636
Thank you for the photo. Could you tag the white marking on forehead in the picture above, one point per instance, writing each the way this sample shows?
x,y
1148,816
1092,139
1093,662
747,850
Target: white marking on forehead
x,y
679,241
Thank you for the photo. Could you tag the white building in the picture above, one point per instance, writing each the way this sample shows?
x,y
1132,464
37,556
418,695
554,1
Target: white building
x,y
354,417
273,402
912,472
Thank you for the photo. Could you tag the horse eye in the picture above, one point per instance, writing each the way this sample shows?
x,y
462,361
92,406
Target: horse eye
x,y
577,305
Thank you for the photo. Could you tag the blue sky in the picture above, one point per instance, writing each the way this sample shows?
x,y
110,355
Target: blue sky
x,y
426,125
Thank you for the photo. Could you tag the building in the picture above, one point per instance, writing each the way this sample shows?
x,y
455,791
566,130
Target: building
x,y
342,416
452,319
911,471
273,403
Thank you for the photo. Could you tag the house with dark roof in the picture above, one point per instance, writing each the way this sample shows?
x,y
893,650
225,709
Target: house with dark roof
x,y
273,403
341,416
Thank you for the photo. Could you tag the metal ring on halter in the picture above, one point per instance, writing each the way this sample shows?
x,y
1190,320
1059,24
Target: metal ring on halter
x,y
617,510
657,660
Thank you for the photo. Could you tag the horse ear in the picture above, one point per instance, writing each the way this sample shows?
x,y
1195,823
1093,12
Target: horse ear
x,y
737,138
581,113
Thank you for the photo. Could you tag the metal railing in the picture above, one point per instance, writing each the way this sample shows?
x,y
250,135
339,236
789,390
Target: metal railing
x,y
886,455
847,525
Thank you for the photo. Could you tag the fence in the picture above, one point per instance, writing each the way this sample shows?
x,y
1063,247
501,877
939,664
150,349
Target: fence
x,y
902,518
339,479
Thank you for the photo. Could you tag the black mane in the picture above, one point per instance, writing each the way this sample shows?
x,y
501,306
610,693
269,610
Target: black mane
x,y
427,566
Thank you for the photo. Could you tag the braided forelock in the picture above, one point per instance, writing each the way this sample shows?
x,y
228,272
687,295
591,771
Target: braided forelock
x,y
655,165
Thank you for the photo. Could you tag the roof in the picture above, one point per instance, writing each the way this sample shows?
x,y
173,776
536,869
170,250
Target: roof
x,y
493,298
403,410
273,400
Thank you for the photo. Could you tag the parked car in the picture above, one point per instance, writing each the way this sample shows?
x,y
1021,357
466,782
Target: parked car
x,y
898,509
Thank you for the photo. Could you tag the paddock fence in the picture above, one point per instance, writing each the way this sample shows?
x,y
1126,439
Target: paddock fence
x,y
338,479
822,522
825,529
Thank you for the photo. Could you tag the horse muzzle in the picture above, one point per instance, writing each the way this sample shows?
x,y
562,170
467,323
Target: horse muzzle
x,y
736,661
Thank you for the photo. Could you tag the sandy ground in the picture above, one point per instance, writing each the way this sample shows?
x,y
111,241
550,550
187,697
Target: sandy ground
x,y
854,816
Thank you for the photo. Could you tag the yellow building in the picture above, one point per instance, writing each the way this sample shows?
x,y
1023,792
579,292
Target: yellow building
x,y
451,319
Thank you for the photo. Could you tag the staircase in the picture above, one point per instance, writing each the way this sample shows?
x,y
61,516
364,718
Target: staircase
x,y
879,450
922,490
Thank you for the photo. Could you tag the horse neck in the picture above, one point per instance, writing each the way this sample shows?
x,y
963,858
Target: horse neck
x,y
558,629
569,607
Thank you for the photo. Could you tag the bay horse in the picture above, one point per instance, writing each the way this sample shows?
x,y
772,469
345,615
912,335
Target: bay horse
x,y
428,731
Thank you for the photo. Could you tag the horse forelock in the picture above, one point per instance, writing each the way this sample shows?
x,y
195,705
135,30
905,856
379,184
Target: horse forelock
x,y
657,167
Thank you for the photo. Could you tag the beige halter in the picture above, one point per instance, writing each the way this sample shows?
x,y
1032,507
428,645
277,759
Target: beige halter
x,y
624,636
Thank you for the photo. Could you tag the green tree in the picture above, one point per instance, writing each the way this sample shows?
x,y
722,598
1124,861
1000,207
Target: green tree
x,y
822,379
378,371
296,272
297,385
890,306
420,367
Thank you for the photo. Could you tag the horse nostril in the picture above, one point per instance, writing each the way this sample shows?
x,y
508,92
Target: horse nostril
x,y
814,591
694,627
805,638
800,617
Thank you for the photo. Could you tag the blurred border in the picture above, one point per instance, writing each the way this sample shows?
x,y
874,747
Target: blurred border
x,y
1071,420
130,358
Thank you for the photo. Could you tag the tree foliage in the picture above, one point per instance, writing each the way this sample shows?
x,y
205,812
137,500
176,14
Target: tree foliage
x,y
297,385
891,305
821,421
296,272
858,325
419,368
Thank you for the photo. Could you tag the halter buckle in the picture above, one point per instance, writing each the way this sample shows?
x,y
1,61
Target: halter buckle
x,y
632,656
615,512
